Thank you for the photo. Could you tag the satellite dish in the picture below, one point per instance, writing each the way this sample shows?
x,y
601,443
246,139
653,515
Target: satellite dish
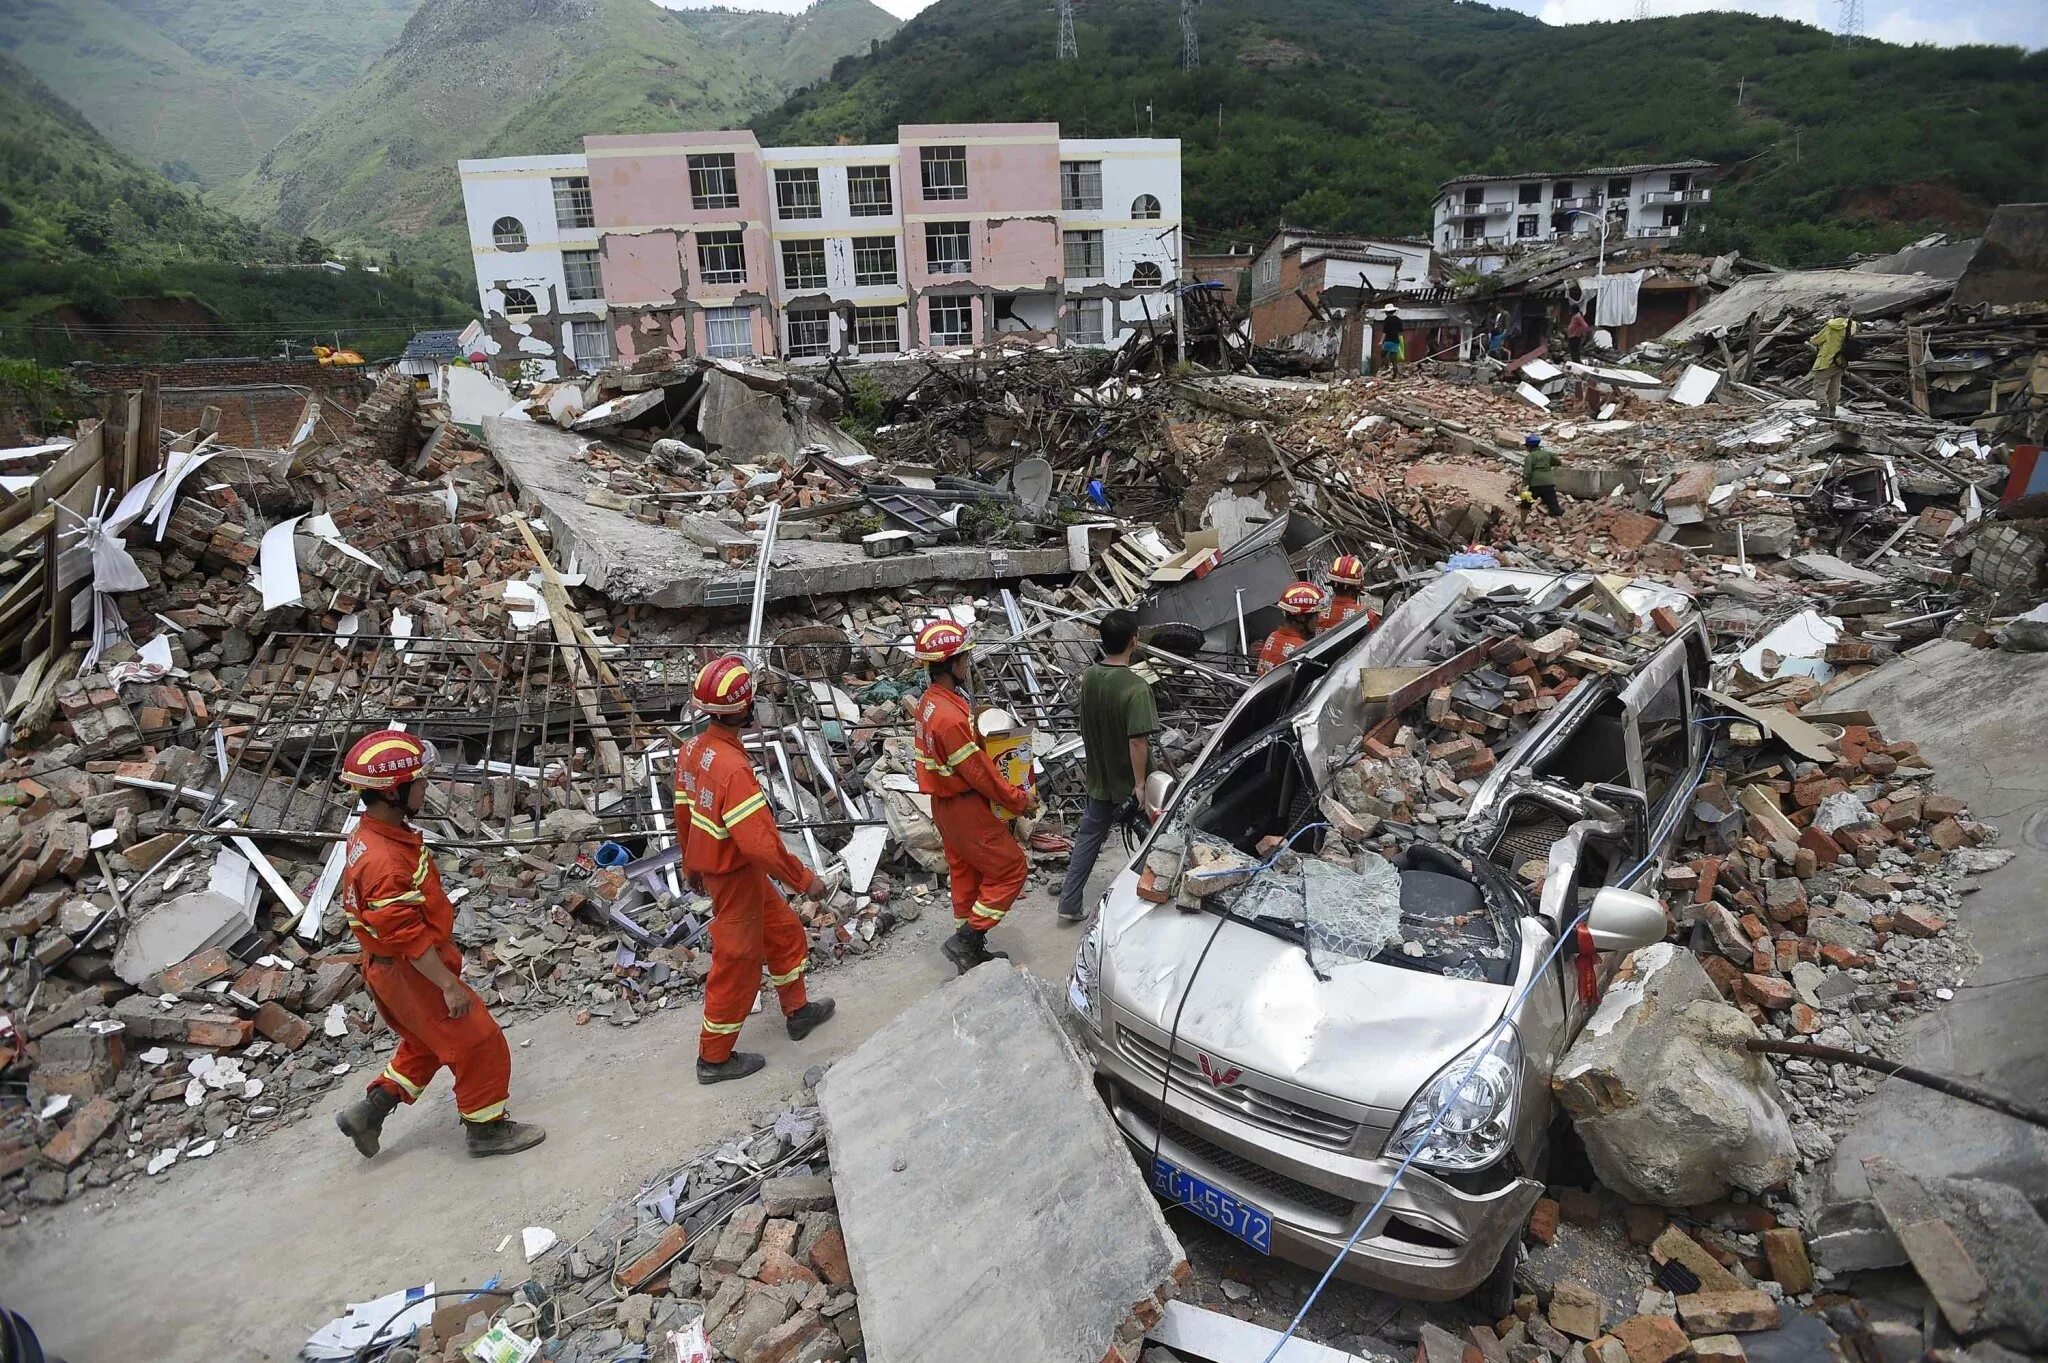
x,y
1031,480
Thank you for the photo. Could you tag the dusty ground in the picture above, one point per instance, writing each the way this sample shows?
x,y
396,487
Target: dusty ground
x,y
241,1258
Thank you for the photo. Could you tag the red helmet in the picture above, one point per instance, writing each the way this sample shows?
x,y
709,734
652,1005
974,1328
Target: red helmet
x,y
1303,598
1348,570
941,640
725,686
386,760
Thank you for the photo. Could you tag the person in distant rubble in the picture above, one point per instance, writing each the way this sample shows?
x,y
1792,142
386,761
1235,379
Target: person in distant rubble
x,y
1302,605
983,860
1575,333
1539,475
1118,719
1391,353
1347,579
1832,347
391,894
732,851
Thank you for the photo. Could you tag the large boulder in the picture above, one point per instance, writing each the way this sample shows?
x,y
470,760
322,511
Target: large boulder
x,y
1671,1107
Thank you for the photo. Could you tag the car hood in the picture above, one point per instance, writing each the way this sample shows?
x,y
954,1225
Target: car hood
x,y
1370,1034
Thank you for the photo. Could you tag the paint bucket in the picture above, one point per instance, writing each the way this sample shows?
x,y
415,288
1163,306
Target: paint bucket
x,y
1008,745
611,856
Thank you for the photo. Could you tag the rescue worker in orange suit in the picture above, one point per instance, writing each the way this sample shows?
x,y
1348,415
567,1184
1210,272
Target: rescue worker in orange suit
x,y
1347,576
986,865
391,893
733,852
1302,604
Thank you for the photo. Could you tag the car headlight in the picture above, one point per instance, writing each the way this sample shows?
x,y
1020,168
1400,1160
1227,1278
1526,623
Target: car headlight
x,y
1084,986
1471,1101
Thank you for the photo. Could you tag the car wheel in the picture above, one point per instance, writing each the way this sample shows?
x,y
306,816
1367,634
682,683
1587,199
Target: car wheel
x,y
1494,1298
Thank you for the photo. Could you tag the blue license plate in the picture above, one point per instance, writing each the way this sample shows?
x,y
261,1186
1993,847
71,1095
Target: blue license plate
x,y
1253,1225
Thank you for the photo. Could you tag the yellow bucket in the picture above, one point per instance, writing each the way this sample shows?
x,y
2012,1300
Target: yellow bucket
x,y
1008,745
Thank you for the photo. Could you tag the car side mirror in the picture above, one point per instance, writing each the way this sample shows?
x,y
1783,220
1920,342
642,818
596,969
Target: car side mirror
x,y
1622,920
1158,787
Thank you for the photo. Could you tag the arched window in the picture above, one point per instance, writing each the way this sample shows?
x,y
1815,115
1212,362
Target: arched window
x,y
519,303
1144,206
508,234
1146,275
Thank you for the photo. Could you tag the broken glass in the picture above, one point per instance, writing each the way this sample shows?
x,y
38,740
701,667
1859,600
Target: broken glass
x,y
1352,915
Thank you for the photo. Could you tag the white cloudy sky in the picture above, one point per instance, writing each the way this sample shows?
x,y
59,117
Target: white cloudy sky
x,y
2020,22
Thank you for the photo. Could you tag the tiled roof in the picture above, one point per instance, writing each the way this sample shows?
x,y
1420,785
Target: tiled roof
x,y
433,345
1584,173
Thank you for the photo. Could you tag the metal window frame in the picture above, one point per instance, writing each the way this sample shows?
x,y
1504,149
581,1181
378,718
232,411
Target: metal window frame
x,y
804,317
1090,240
863,317
721,241
931,158
508,290
885,176
501,239
791,280
1141,213
795,180
936,233
590,260
1535,221
740,313
861,278
1076,309
963,336
582,212
578,328
1074,183
706,165
1156,269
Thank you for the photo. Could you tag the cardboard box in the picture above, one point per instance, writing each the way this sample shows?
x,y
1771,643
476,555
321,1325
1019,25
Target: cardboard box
x,y
1202,553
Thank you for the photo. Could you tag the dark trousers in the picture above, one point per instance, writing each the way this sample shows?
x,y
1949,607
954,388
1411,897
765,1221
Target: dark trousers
x,y
1096,821
1548,496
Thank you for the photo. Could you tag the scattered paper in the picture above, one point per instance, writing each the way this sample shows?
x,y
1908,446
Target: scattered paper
x,y
277,571
499,1345
690,1345
351,1333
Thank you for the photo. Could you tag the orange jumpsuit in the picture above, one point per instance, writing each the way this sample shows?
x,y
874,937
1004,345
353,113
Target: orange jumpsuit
x,y
987,866
1343,606
392,896
1278,645
730,842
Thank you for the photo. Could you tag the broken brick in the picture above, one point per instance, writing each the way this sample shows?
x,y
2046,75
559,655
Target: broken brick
x,y
279,1024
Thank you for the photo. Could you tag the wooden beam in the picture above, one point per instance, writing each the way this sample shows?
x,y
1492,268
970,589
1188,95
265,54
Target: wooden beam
x,y
581,653
1916,366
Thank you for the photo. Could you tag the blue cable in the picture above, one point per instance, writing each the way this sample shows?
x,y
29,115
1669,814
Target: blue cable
x,y
1422,1142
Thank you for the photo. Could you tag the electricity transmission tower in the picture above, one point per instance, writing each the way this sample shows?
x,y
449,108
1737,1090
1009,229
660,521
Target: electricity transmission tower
x,y
1068,51
1849,25
1642,9
1190,50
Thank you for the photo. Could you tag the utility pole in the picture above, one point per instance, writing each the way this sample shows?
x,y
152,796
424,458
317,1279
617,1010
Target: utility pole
x,y
1068,50
1190,49
1741,84
1180,272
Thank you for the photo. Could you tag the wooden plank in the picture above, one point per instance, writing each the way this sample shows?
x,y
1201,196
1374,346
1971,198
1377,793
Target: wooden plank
x,y
568,629
149,431
1916,366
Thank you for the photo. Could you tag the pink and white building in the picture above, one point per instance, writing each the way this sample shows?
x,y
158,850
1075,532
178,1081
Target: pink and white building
x,y
708,243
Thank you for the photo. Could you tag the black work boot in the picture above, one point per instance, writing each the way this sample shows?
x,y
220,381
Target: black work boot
x,y
809,1018
363,1120
502,1137
968,948
738,1065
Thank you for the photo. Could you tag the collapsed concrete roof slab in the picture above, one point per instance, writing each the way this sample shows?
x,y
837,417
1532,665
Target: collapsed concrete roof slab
x,y
1771,296
973,1103
633,562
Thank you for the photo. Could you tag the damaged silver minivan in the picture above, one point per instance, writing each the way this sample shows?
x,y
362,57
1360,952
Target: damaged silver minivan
x,y
1274,1050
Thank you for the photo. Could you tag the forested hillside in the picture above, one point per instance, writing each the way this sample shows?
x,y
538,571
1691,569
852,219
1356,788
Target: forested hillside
x,y
1344,115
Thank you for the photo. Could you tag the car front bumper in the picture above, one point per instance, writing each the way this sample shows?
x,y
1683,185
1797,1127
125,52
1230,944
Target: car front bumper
x,y
1431,1240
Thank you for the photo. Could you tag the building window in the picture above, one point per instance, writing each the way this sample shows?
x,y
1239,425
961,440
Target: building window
x,y
1145,207
1082,322
1084,254
729,332
874,260
1080,185
803,264
1617,188
945,248
874,331
714,181
952,321
1475,196
508,234
583,275
796,194
519,303
572,202
1680,182
1473,228
721,258
1674,216
1526,226
871,191
1146,275
592,342
1561,190
810,332
1529,194
945,172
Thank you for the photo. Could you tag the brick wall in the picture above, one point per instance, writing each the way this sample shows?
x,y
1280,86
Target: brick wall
x,y
259,399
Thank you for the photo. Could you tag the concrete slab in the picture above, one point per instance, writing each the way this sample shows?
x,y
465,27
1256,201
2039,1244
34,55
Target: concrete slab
x,y
974,1101
633,562
1978,716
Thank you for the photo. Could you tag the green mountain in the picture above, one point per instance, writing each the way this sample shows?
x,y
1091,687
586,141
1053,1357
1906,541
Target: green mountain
x,y
1344,115
198,89
471,78
101,255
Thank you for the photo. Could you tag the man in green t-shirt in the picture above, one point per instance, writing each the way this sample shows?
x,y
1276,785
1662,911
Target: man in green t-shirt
x,y
1118,719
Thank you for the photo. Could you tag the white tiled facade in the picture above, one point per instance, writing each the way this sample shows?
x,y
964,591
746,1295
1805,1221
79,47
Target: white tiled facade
x,y
1486,215
522,190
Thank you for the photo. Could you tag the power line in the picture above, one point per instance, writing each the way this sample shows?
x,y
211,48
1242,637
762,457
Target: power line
x,y
1068,50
